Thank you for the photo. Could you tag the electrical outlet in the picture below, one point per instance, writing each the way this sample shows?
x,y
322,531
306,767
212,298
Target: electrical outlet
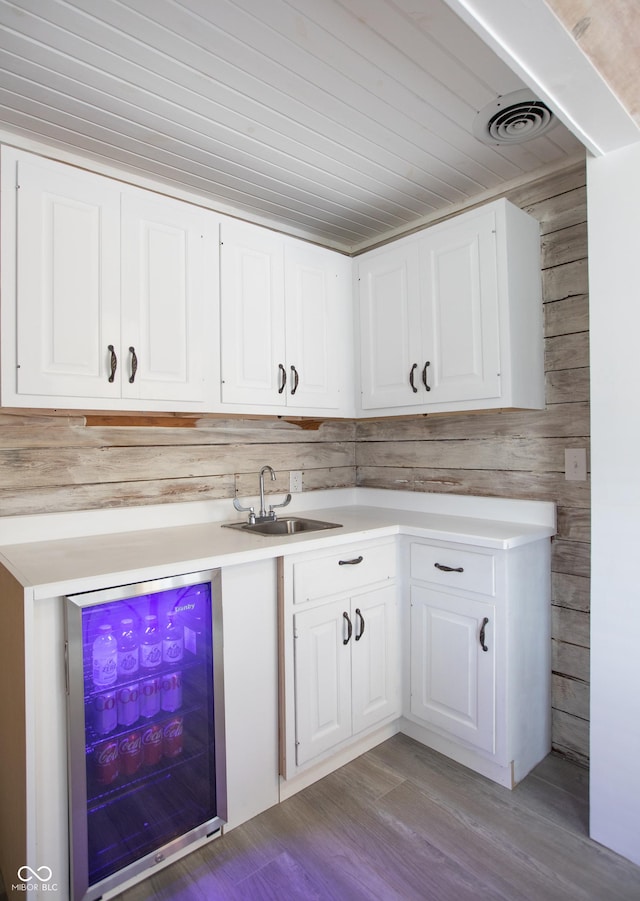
x,y
295,481
575,464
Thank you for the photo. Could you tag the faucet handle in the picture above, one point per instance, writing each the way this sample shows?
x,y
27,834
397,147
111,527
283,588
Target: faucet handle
x,y
250,510
286,501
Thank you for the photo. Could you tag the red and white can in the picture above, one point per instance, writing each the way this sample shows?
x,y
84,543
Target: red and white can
x,y
130,753
152,744
128,704
172,737
107,761
171,691
105,712
150,693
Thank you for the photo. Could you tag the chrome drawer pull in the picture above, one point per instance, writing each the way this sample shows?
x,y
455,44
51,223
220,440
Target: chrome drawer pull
x,y
353,562
448,569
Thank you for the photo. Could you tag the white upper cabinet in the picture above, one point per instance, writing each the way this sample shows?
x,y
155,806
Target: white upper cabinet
x,y
168,299
286,323
451,318
114,288
115,297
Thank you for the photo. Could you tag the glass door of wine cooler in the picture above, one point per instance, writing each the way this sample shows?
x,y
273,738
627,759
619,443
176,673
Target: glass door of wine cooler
x,y
146,726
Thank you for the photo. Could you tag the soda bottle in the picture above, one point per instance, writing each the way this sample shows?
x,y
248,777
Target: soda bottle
x,y
172,641
128,652
151,644
105,657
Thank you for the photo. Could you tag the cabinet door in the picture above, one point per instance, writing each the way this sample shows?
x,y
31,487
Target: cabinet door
x,y
68,281
390,328
375,679
322,668
452,677
164,292
460,309
252,315
315,348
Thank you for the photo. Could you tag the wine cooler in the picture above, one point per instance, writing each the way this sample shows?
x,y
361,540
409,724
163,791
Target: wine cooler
x,y
145,726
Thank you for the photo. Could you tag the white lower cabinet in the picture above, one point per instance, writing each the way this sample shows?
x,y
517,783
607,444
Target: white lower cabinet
x,y
478,671
341,650
453,665
345,669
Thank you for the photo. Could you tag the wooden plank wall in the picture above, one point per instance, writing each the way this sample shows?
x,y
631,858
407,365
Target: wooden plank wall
x,y
53,463
521,454
62,462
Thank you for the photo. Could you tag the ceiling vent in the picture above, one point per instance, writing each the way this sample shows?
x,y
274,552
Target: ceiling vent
x,y
513,119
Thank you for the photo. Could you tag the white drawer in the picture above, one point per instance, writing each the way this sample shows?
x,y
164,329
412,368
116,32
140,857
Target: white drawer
x,y
454,567
342,570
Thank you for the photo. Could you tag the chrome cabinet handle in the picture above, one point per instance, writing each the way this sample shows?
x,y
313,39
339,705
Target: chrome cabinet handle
x,y
296,379
353,562
449,569
424,376
485,622
114,362
360,633
349,629
411,382
134,365
283,373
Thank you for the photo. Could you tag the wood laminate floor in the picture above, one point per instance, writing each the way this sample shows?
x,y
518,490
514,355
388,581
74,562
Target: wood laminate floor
x,y
403,822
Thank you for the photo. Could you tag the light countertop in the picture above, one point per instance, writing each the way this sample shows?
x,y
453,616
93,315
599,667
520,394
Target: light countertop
x,y
72,564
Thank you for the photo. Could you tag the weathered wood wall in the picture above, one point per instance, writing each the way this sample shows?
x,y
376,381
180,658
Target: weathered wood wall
x,y
58,463
521,454
55,462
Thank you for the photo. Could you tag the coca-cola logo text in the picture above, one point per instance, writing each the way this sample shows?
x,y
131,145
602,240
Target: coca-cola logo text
x,y
130,744
107,753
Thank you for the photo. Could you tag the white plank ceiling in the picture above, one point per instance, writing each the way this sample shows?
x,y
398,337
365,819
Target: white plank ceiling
x,y
344,121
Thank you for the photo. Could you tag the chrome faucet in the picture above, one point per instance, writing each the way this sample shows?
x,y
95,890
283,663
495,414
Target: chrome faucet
x,y
262,515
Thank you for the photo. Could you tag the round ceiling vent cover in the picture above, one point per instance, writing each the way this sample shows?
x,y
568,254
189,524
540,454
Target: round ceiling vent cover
x,y
513,119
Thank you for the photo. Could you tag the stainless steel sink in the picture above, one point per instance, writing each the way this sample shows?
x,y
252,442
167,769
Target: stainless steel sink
x,y
287,525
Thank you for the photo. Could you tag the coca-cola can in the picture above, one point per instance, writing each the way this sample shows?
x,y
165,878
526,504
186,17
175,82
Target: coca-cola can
x,y
130,752
128,704
152,744
107,761
171,691
172,737
150,697
105,712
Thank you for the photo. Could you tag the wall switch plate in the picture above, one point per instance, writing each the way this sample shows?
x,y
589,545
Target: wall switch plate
x,y
575,464
295,481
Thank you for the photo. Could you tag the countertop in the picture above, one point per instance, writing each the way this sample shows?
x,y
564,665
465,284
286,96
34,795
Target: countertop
x,y
84,563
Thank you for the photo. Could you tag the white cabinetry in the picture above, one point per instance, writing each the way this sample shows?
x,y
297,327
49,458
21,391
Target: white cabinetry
x,y
451,318
286,323
109,292
341,649
479,667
